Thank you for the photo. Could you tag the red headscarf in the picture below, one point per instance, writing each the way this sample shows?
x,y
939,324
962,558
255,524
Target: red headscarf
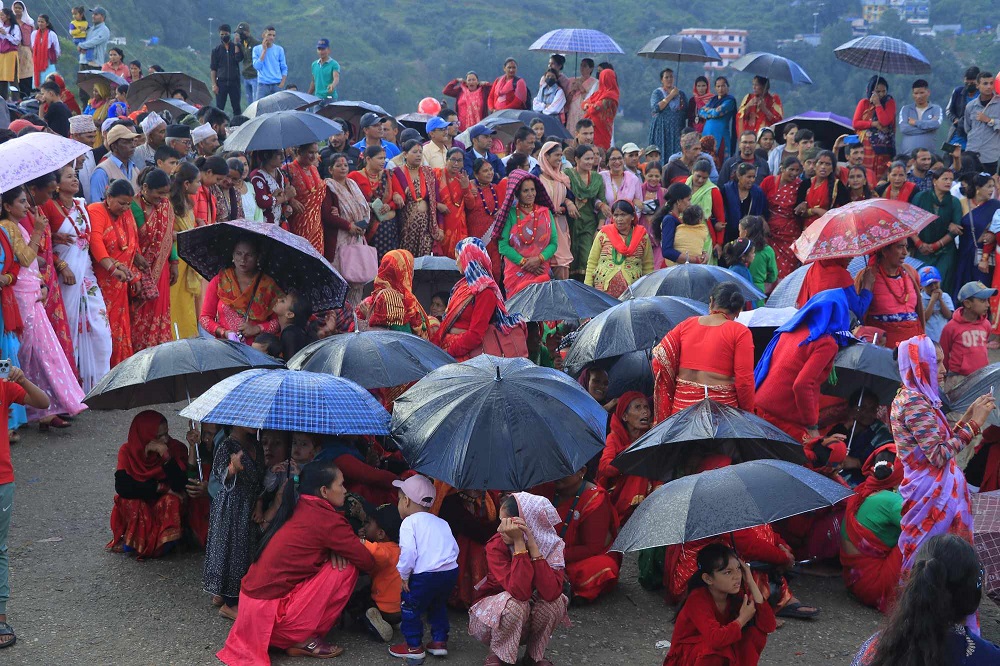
x,y
607,88
132,456
618,428
872,485
65,95
838,452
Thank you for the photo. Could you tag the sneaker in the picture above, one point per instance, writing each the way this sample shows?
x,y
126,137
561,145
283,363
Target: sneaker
x,y
403,651
377,625
438,648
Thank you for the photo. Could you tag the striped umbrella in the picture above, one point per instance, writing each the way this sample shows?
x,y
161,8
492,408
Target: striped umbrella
x,y
885,55
576,40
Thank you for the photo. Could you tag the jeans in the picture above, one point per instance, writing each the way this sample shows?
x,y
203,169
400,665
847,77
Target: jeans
x,y
265,89
233,92
6,508
250,88
428,594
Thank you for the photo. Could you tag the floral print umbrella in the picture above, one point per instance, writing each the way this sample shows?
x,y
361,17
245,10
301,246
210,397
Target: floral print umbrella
x,y
32,155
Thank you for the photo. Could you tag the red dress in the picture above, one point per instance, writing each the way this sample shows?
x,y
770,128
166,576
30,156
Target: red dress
x,y
310,190
705,636
785,227
591,569
119,240
508,94
451,194
469,104
625,491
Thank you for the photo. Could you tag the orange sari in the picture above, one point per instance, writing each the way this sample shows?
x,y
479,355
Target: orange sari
x,y
309,191
118,239
451,194
151,305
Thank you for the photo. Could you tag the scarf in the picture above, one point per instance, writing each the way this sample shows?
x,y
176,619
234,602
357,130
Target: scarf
x,y
475,265
917,360
514,180
40,51
132,456
395,272
351,202
229,293
701,99
619,431
702,197
555,181
548,93
872,485
12,322
607,89
618,243
541,518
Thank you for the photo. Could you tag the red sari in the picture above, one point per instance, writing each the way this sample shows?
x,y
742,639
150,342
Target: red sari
x,y
602,107
530,235
119,240
625,491
785,227
151,305
591,530
481,205
226,307
818,196
310,190
451,194
751,116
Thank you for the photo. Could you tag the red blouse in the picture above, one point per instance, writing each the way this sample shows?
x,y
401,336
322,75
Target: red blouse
x,y
725,350
791,388
474,321
519,574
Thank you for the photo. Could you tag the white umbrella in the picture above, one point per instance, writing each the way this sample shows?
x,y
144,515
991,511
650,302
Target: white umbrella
x,y
32,155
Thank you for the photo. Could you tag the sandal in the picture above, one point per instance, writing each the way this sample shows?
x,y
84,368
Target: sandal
x,y
317,648
227,612
795,610
13,437
57,422
7,630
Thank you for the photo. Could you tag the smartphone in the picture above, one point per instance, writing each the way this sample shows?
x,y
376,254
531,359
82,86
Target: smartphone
x,y
852,140
5,368
948,148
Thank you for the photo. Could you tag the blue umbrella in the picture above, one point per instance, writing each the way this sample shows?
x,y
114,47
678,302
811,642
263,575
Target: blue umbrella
x,y
885,55
498,424
291,401
560,300
679,48
576,40
694,281
772,66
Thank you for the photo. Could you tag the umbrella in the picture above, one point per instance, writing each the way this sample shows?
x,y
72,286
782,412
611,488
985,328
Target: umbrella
x,y
350,111
725,500
771,66
826,126
552,125
763,322
694,281
860,228
983,380
286,257
634,325
27,157
417,121
786,293
283,100
630,372
560,300
575,40
680,48
163,84
885,55
280,130
864,366
291,401
706,428
373,359
177,107
986,537
88,77
504,127
498,423
858,263
174,371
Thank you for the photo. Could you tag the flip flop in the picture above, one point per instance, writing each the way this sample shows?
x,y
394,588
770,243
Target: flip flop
x,y
316,648
7,630
793,610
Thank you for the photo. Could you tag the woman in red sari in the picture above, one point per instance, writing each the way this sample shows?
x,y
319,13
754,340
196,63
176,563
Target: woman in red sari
x,y
528,240
782,192
154,219
816,193
471,99
149,486
898,187
395,273
376,184
453,186
310,191
482,201
759,108
239,301
896,307
875,123
602,107
418,221
114,244
631,420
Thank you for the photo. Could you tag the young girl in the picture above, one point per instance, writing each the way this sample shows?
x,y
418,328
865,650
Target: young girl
x,y
720,621
738,255
213,169
185,293
667,220
653,194
764,267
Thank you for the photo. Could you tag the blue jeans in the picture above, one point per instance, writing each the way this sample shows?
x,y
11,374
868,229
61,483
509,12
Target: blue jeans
x,y
6,508
265,89
250,88
428,594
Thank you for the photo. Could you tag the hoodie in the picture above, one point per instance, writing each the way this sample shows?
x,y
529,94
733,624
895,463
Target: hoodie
x,y
964,344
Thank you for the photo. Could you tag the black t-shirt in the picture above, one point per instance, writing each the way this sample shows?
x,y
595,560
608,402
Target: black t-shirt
x,y
293,339
57,116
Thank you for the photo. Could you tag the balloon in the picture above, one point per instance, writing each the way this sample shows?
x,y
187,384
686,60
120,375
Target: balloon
x,y
429,105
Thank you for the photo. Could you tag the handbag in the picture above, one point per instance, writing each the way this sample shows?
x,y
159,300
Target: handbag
x,y
513,344
357,261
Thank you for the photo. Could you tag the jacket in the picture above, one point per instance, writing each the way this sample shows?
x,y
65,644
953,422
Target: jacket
x,y
964,343
498,168
97,39
921,135
226,62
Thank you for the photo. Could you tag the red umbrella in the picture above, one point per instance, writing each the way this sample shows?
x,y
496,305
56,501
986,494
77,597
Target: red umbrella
x,y
986,535
859,228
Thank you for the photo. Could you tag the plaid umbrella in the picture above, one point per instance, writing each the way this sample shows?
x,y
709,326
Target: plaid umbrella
x,y
680,48
860,228
286,257
986,537
576,40
291,401
772,66
885,55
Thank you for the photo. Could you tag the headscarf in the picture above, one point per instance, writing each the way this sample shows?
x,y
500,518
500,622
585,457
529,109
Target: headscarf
x,y
874,81
607,88
395,272
871,485
918,367
555,181
386,309
514,180
65,95
541,518
702,98
25,17
475,265
618,427
132,456
837,449
826,313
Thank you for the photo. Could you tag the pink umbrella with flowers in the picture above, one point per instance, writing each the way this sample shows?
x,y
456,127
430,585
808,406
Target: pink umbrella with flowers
x,y
860,228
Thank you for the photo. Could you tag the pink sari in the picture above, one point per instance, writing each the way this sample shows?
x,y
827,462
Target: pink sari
x,y
529,236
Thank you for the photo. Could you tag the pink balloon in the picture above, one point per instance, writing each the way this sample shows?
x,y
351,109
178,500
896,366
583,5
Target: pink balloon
x,y
429,105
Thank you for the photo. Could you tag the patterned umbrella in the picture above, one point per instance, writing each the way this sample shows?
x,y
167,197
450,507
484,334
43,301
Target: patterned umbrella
x,y
576,40
286,257
859,228
27,157
986,537
772,66
163,84
291,401
885,55
280,130
680,48
283,100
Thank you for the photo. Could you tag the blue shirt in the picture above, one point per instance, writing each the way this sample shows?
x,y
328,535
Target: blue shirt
x,y
936,321
99,180
271,68
390,148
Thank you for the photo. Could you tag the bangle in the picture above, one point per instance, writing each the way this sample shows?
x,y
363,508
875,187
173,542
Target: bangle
x,y
61,265
520,552
973,426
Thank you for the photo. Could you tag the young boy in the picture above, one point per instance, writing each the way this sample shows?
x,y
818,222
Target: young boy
x,y
938,306
964,338
78,28
267,343
537,353
428,567
439,304
380,536
293,310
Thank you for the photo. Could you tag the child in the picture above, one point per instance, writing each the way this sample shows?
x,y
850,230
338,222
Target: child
x,y
653,195
691,238
717,623
938,306
381,537
738,255
439,303
537,353
764,267
268,343
428,567
964,338
293,310
667,220
119,108
78,28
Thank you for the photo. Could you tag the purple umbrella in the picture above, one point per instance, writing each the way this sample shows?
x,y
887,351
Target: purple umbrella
x,y
825,125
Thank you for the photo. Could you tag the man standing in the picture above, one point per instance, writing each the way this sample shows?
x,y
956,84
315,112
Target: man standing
x,y
982,124
325,73
118,163
482,138
337,143
226,59
83,130
269,61
154,128
205,140
960,98
436,150
247,44
371,126
919,122
97,39
216,119
747,153
920,173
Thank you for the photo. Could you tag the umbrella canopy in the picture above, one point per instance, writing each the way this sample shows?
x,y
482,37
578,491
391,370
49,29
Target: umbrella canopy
x,y
826,126
575,40
417,121
503,126
552,125
372,359
350,111
675,446
291,401
885,55
772,66
174,371
865,366
983,380
694,281
634,325
280,130
763,322
497,423
176,107
560,300
631,372
27,157
88,77
986,537
859,228
286,257
679,48
858,263
786,294
726,500
163,84
283,100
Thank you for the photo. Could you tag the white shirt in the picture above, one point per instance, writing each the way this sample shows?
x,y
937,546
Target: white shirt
x,y
426,545
532,162
554,107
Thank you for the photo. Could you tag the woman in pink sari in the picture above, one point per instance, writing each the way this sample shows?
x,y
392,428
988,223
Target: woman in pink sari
x,y
556,185
529,238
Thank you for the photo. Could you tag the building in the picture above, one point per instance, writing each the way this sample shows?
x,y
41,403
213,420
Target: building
x,y
872,10
730,43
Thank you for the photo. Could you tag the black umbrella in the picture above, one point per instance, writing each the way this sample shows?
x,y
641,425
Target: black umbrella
x,y
88,77
674,447
725,500
634,325
560,300
163,84
694,281
373,359
825,125
280,130
417,121
350,111
864,366
174,371
497,424
628,372
176,107
984,380
679,48
286,257
283,100
552,125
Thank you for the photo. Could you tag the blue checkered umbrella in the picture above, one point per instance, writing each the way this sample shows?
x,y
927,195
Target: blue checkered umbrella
x,y
292,401
885,55
773,67
576,40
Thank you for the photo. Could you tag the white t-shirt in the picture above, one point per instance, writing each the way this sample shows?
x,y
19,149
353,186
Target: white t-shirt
x,y
426,545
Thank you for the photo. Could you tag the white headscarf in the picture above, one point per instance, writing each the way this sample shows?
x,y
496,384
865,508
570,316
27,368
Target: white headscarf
x,y
25,17
542,518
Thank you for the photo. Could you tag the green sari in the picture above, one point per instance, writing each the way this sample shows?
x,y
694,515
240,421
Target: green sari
x,y
949,211
584,227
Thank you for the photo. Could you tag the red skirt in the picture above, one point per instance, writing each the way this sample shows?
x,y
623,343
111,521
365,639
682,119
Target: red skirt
x,y
594,576
689,393
145,527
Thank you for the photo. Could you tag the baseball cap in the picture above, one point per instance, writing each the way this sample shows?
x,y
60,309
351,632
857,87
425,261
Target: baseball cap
x,y
419,489
436,123
929,275
99,10
651,149
481,130
370,119
243,26
630,148
119,132
20,124
975,290
407,134
323,44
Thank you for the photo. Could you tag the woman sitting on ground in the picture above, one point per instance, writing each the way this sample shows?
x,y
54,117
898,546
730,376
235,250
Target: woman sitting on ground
x,y
474,518
631,420
239,301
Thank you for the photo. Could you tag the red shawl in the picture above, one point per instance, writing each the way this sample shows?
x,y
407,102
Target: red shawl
x,y
132,456
822,275
607,89
40,53
263,293
618,243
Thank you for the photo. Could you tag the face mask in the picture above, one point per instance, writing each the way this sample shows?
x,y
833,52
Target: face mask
x,y
226,38
970,87
550,82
